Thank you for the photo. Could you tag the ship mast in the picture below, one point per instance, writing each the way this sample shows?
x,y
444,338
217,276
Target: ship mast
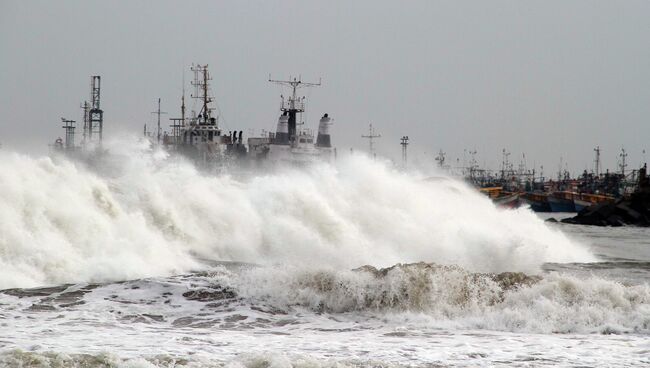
x,y
201,93
597,160
159,131
294,104
371,140
623,164
404,142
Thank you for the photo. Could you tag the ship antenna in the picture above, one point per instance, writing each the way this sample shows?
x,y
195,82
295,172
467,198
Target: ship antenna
x,y
371,137
183,101
158,112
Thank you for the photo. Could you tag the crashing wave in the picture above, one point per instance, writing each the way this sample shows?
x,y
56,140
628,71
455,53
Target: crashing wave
x,y
138,214
454,297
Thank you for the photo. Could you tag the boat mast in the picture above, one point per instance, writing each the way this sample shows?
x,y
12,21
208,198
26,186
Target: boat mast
x,y
158,112
371,140
597,160
404,142
294,105
201,85
623,164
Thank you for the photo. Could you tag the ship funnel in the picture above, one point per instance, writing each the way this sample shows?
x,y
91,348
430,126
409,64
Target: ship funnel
x,y
323,139
282,133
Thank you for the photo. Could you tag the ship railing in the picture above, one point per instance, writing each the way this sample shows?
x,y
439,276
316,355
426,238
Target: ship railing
x,y
293,105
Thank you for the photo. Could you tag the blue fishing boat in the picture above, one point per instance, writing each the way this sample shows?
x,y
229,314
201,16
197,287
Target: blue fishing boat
x,y
562,202
537,201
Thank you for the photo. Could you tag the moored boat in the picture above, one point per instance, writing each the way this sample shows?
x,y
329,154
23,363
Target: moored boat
x,y
537,201
580,204
562,201
584,200
500,197
507,200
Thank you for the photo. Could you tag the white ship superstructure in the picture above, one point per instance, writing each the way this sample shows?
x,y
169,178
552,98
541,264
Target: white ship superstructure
x,y
199,137
291,143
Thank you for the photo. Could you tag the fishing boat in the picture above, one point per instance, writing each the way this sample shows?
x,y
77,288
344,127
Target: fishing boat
x,y
537,201
500,197
584,200
562,201
507,200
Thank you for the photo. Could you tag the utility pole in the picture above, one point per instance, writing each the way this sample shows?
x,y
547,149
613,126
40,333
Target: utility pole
x,y
159,131
404,142
371,140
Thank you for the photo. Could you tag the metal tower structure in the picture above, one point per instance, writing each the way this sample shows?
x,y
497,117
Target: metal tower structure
x,y
371,140
293,105
159,131
404,142
69,126
95,123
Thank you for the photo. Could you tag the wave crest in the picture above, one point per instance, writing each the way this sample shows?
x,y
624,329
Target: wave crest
x,y
139,214
451,296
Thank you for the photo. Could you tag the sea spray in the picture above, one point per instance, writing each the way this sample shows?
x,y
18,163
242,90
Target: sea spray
x,y
137,213
427,295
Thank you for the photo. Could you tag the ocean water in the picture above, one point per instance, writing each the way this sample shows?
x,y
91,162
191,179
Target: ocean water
x,y
140,260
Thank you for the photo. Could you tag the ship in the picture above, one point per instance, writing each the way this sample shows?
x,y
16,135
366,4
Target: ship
x,y
501,198
197,136
584,200
562,201
537,201
290,144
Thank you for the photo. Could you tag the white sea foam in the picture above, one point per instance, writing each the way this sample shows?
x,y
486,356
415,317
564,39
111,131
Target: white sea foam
x,y
451,297
137,214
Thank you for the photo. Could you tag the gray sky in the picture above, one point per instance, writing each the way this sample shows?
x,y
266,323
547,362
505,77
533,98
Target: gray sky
x,y
548,78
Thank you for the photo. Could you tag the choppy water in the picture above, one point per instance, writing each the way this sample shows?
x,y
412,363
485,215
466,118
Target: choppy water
x,y
156,265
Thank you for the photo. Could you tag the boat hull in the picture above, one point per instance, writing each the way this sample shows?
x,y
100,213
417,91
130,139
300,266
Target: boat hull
x,y
537,202
580,204
507,201
561,204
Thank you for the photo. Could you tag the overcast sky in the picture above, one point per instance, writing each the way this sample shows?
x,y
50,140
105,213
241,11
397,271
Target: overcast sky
x,y
546,78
